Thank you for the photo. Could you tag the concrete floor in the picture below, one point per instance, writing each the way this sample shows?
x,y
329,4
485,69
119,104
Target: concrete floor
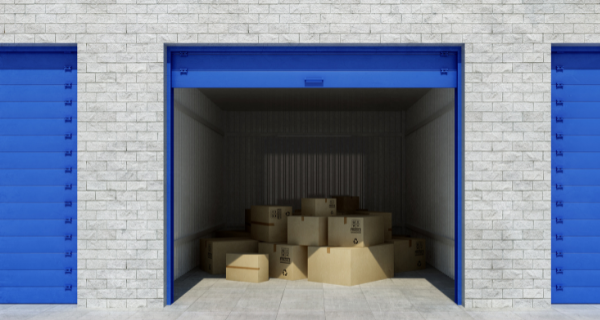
x,y
425,294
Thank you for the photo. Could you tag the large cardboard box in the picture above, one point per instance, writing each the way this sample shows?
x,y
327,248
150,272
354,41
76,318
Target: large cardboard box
x,y
269,223
409,254
289,262
213,251
387,222
307,230
354,231
247,267
319,207
247,219
233,234
346,204
350,266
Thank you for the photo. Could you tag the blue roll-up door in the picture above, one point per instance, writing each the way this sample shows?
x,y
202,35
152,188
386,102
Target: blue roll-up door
x,y
576,175
38,175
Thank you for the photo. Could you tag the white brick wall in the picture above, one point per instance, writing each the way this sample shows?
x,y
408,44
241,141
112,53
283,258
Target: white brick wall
x,y
507,119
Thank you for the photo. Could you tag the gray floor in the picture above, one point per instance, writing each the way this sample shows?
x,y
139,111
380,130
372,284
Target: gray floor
x,y
423,294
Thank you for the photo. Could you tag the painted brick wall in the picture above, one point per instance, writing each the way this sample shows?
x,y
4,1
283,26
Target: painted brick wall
x,y
507,119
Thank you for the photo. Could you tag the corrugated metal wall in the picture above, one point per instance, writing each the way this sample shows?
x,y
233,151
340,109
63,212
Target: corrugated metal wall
x,y
279,157
198,204
429,197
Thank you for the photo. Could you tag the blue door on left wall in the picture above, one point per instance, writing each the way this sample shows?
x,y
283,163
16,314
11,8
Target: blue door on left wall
x,y
38,175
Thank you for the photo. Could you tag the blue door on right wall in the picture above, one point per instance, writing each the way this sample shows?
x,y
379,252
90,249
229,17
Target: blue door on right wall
x,y
575,175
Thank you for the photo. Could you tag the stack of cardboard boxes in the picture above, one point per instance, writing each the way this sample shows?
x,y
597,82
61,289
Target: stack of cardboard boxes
x,y
330,240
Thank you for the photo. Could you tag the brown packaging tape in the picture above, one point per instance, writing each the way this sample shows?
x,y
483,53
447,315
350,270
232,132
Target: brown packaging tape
x,y
246,268
327,249
345,220
263,223
274,248
302,218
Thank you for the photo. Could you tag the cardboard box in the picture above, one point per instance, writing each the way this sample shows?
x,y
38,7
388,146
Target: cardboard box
x,y
319,207
346,204
233,234
354,231
247,267
247,219
387,222
213,251
269,223
350,266
409,254
307,230
289,262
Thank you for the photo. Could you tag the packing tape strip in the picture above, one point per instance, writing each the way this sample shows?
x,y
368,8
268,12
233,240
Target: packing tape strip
x,y
245,268
302,218
327,249
345,220
263,223
274,248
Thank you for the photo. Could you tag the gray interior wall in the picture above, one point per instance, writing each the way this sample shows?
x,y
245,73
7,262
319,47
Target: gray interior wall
x,y
279,157
429,184
198,159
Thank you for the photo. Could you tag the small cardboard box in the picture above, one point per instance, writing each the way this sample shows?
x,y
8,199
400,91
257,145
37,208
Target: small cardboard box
x,y
233,234
409,254
286,261
247,267
354,231
346,204
319,207
387,222
307,230
350,266
269,223
247,219
213,251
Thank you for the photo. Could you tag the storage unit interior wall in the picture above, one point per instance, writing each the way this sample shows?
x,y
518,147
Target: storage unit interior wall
x,y
234,148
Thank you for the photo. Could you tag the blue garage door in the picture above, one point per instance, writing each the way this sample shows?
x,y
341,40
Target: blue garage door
x,y
38,176
575,175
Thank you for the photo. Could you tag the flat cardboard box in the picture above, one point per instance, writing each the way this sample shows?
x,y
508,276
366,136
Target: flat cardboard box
x,y
233,234
247,219
213,251
350,266
387,222
346,204
409,254
269,223
307,230
319,207
354,231
286,261
247,267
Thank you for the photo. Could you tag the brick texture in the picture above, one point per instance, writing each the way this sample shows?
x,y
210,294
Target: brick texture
x,y
120,76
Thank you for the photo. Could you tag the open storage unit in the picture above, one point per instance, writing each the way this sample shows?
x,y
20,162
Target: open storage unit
x,y
271,125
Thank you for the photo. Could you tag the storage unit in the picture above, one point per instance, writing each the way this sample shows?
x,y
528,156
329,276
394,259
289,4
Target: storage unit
x,y
38,175
575,175
270,126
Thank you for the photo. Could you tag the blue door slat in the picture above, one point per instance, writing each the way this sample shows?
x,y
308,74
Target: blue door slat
x,y
31,160
575,193
575,278
37,194
38,126
38,278
572,295
576,261
60,143
339,79
573,109
575,143
570,126
576,210
38,261
38,110
49,177
9,93
576,160
575,76
37,228
575,177
39,244
576,60
44,295
314,62
38,61
571,92
576,244
34,77
577,227
56,210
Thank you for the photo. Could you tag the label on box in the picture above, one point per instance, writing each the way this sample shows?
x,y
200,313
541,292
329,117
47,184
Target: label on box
x,y
276,214
332,204
355,227
419,249
285,256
